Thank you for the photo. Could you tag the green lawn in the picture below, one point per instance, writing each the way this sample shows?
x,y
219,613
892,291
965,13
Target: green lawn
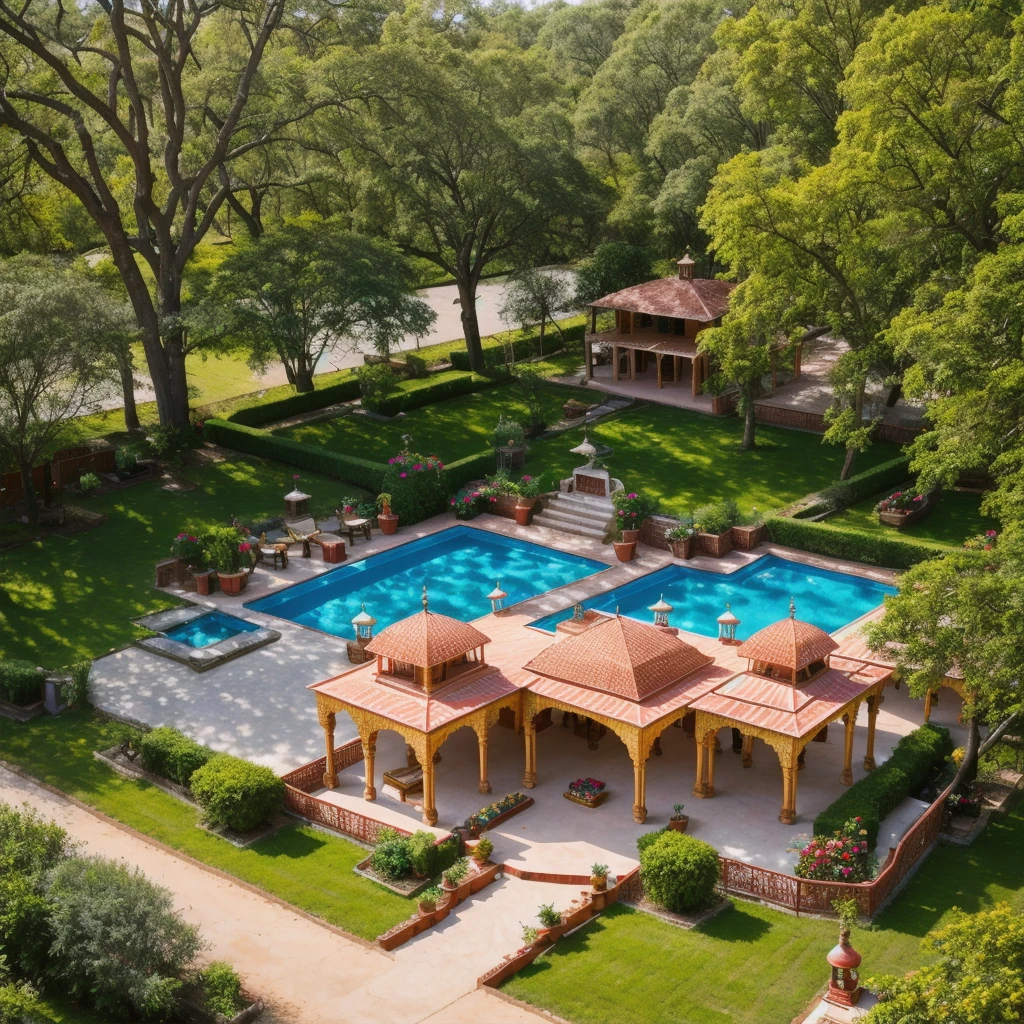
x,y
686,459
752,965
451,430
73,596
299,864
956,517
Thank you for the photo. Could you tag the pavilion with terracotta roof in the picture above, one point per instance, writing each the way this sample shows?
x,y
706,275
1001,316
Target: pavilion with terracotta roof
x,y
793,686
635,679
430,677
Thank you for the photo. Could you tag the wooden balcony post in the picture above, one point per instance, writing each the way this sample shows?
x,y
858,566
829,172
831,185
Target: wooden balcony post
x,y
639,790
369,742
429,808
849,723
869,753
632,364
712,745
699,784
481,739
530,741
748,751
615,362
330,775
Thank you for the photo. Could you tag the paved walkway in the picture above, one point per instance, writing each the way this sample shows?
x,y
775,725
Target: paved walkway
x,y
309,974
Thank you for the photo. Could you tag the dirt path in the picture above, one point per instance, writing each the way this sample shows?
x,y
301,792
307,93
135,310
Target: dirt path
x,y
306,973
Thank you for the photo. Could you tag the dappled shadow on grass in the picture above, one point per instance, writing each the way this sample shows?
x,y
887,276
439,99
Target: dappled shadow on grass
x,y
735,925
290,841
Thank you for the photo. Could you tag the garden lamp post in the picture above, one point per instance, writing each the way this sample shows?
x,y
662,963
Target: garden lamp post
x,y
586,449
727,623
364,623
497,598
662,609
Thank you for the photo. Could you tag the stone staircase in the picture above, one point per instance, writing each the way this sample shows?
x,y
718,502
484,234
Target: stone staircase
x,y
579,514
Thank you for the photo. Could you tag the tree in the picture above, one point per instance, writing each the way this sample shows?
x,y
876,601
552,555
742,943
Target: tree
x,y
978,976
294,292
116,103
467,156
743,344
117,939
962,613
581,36
534,297
59,332
610,268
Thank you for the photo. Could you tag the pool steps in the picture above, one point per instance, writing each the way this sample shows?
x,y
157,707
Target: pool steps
x,y
582,516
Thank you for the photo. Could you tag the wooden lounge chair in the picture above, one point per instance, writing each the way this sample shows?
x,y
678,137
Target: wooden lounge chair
x,y
302,531
406,780
349,522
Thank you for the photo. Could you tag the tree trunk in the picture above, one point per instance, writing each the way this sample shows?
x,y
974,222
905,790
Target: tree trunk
x,y
970,754
749,426
540,350
131,414
851,454
895,393
303,380
470,323
28,492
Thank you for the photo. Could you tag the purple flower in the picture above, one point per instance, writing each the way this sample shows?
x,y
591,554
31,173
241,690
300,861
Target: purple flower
x,y
403,475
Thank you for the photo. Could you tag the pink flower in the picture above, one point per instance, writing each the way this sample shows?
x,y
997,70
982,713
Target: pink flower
x,y
527,479
452,502
990,533
295,476
243,547
391,462
348,508
417,467
847,872
403,475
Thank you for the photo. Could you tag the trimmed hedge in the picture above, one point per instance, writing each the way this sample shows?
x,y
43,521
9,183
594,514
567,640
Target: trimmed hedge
x,y
294,405
429,857
359,472
882,477
472,467
840,542
679,872
237,793
172,755
524,347
907,770
21,682
415,393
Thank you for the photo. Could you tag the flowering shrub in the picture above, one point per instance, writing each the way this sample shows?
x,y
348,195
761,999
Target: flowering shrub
x,y
586,789
982,541
226,549
966,804
900,501
631,509
469,503
188,548
491,811
416,485
842,857
528,486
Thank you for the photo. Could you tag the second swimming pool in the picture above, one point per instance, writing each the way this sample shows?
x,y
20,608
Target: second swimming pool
x,y
758,594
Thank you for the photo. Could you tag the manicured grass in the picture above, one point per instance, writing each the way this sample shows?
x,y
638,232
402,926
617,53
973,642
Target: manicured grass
x,y
956,517
752,965
73,596
451,430
302,865
686,459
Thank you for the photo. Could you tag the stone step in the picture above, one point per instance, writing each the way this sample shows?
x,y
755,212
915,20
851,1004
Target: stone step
x,y
571,516
595,506
579,529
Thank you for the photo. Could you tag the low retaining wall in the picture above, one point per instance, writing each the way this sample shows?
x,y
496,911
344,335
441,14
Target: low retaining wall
x,y
815,421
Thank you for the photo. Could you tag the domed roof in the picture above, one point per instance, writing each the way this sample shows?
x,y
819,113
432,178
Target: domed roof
x,y
843,955
791,643
426,639
621,656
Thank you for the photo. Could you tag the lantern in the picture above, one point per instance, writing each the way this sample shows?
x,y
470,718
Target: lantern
x,y
364,623
844,987
661,609
586,449
497,597
296,504
727,623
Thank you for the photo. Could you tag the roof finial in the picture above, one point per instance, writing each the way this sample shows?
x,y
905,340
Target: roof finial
x,y
616,611
424,597
792,608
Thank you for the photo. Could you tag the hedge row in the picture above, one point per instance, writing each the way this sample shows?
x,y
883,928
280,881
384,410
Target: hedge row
x,y
906,771
359,472
524,347
173,755
882,477
294,405
21,682
840,542
472,467
415,393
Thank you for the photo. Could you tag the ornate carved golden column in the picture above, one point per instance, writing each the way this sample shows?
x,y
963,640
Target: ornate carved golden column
x,y
869,754
640,788
712,746
369,742
788,761
530,742
429,806
327,721
700,784
849,724
481,739
748,751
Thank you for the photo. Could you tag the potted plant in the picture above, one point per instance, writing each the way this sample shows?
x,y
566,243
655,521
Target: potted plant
x,y
599,877
589,792
188,549
530,935
625,550
386,519
682,540
526,492
509,438
483,850
430,898
714,525
679,821
902,508
226,552
456,873
549,918
631,509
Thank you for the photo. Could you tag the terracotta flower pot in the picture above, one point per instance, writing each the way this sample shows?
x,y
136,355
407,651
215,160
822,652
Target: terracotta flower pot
x,y
388,523
232,582
679,824
205,582
625,550
523,513
427,906
599,882
630,536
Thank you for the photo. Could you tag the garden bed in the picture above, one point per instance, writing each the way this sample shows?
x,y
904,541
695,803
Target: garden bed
x,y
505,815
22,712
594,801
686,921
403,886
901,520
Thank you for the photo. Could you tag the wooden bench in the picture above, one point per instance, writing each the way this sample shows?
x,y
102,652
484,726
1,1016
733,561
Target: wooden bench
x,y
406,780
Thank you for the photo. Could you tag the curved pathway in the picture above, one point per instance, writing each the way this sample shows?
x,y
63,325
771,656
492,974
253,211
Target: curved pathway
x,y
308,973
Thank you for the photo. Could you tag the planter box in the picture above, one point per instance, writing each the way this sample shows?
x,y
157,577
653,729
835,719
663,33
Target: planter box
x,y
902,519
715,544
594,802
504,506
22,712
746,538
684,548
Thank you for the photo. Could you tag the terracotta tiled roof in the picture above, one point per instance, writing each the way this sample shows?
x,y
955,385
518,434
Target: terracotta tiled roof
x,y
426,639
790,643
699,299
619,656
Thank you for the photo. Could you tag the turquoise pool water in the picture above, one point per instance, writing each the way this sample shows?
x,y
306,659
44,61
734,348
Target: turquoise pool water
x,y
210,629
759,595
458,566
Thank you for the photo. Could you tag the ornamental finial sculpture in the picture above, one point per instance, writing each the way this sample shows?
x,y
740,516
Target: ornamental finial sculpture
x,y
424,598
792,608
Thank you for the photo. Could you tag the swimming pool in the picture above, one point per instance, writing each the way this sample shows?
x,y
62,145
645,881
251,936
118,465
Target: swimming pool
x,y
758,594
458,566
209,629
